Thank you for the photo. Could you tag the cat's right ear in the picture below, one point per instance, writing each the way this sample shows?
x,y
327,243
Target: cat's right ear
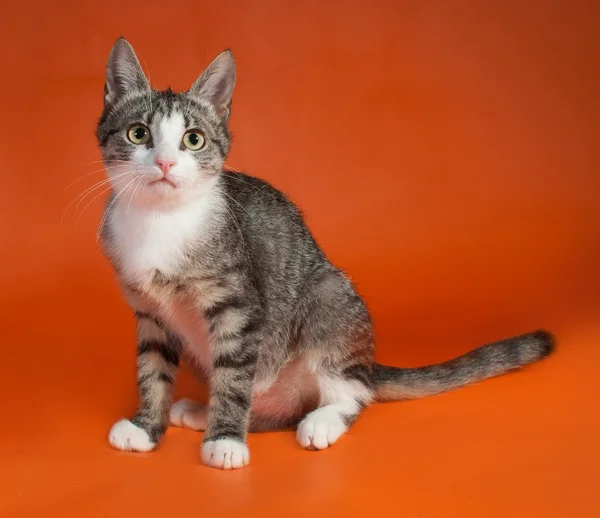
x,y
123,73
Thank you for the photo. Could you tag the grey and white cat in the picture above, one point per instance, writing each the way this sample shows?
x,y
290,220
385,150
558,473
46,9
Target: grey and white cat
x,y
220,266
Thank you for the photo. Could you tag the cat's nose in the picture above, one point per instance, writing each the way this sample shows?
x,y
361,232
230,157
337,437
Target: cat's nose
x,y
164,164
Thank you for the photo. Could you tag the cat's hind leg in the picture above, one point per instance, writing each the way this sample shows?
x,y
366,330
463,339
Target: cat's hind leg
x,y
340,403
336,341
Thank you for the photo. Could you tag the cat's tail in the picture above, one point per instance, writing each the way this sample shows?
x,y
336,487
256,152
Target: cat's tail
x,y
393,383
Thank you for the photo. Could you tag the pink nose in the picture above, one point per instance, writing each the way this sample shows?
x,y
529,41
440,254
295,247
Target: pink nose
x,y
164,164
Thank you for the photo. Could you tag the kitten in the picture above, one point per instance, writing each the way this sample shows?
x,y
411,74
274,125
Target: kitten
x,y
220,266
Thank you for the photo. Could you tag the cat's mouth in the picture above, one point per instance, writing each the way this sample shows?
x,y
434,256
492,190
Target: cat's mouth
x,y
163,181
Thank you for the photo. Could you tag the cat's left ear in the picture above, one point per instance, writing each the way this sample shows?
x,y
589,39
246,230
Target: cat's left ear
x,y
123,73
216,83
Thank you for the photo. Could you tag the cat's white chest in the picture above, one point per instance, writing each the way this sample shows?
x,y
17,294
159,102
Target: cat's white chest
x,y
148,240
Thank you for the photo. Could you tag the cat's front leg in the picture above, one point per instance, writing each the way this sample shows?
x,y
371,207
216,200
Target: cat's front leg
x,y
234,352
157,361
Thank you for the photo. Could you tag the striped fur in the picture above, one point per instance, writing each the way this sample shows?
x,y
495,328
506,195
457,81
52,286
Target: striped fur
x,y
485,362
221,267
157,362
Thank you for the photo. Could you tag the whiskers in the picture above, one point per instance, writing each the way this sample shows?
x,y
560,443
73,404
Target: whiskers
x,y
230,169
125,177
237,177
110,187
109,166
223,204
133,185
234,201
102,184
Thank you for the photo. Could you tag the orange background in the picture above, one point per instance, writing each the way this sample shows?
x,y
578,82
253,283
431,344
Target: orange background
x,y
446,155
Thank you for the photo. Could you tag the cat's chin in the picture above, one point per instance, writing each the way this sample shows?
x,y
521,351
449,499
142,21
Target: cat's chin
x,y
163,196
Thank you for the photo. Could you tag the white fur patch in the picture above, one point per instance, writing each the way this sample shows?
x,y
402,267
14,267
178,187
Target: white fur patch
x,y
339,398
188,414
343,392
225,454
148,240
168,141
126,436
321,428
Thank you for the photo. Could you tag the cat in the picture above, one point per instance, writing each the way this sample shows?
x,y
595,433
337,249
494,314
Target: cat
x,y
220,267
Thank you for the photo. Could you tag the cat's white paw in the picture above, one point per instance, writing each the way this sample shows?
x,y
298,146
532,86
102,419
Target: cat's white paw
x,y
126,436
225,454
188,414
320,429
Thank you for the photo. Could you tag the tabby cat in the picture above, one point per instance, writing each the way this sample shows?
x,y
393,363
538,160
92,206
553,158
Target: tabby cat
x,y
220,267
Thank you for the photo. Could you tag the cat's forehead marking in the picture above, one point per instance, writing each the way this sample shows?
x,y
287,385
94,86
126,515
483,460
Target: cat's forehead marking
x,y
161,104
170,132
167,104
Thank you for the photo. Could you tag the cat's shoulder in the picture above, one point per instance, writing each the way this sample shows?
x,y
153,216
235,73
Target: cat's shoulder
x,y
243,183
245,188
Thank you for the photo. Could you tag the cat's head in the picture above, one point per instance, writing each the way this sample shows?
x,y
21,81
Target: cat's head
x,y
163,148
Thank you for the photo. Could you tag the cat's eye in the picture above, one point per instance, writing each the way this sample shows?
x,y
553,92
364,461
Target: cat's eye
x,y
138,134
193,140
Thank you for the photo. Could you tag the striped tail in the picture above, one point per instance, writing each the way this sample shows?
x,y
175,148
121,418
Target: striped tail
x,y
395,383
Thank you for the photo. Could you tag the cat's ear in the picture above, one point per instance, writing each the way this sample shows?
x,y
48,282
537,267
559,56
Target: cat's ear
x,y
123,73
216,83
